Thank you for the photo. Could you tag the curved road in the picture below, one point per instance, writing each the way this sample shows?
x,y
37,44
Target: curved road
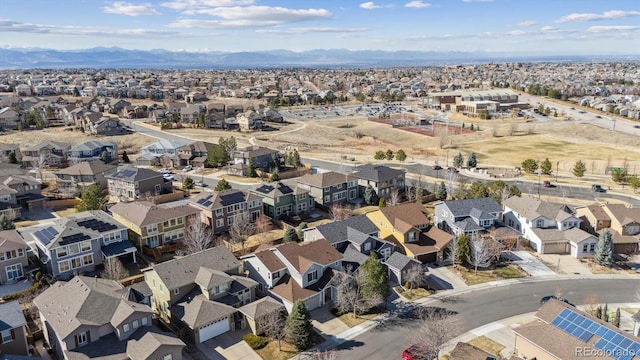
x,y
483,306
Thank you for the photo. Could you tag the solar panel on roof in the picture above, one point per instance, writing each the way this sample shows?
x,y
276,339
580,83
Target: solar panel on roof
x,y
585,336
571,316
46,235
556,321
625,343
601,331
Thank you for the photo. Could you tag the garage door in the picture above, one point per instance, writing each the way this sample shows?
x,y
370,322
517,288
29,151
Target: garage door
x,y
427,258
214,330
555,248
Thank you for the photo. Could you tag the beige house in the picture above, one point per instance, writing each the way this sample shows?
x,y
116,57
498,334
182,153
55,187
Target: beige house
x,y
219,208
133,183
73,178
13,334
624,224
13,257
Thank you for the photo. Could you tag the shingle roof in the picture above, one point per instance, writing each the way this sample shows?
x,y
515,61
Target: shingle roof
x,y
376,173
134,174
11,316
326,179
87,168
464,351
337,231
180,272
10,239
465,207
405,216
199,311
574,235
92,145
145,346
216,199
623,214
303,255
400,261
532,208
262,307
276,190
270,260
144,212
208,278
598,212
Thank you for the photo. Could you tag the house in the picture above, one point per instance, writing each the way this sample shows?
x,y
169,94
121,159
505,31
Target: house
x,y
621,221
13,333
550,228
156,229
293,271
399,266
330,187
263,158
9,119
382,179
257,313
22,190
280,200
132,183
218,208
79,243
407,226
13,257
76,177
194,154
47,154
468,216
593,217
250,120
201,293
92,151
161,153
355,237
99,321
561,331
7,149
465,351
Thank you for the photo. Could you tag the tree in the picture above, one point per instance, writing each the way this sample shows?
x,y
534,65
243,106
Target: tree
x,y
218,155
416,276
382,203
579,169
290,235
461,189
6,223
349,295
295,158
125,158
514,190
375,281
441,191
114,270
462,248
12,158
93,198
263,226
273,325
634,182
619,175
481,255
394,198
105,157
298,330
251,169
388,154
458,160
478,190
241,228
229,144
546,167
616,318
222,185
437,327
275,176
40,164
604,250
187,184
300,230
530,166
604,316
379,155
370,196
198,237
472,161
400,155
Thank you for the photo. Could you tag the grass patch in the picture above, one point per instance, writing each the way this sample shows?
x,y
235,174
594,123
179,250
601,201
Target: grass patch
x,y
509,272
472,277
271,352
599,269
25,223
415,294
487,345
241,179
67,212
351,321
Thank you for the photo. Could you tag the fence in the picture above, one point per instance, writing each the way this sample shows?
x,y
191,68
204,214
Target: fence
x,y
61,203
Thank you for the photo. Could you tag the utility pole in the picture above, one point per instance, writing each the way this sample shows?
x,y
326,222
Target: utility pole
x,y
539,173
557,167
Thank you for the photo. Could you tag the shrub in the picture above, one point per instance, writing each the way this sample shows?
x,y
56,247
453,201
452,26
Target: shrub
x,y
38,276
256,342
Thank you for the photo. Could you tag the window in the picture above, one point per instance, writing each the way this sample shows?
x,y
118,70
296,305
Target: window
x,y
592,247
219,212
144,321
229,220
76,263
540,223
14,272
74,249
61,251
173,222
327,199
367,246
276,275
64,266
6,336
312,276
153,228
82,338
180,221
339,186
219,222
87,260
135,324
176,291
168,357
585,247
125,327
86,245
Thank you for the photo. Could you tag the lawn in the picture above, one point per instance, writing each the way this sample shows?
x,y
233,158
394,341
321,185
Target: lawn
x,y
25,223
271,352
241,179
509,272
472,277
598,269
415,294
66,212
488,345
350,321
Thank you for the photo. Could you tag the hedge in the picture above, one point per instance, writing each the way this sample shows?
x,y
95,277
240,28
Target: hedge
x,y
256,342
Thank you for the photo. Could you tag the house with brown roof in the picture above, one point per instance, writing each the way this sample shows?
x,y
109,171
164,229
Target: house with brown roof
x,y
47,153
296,271
13,257
76,177
93,318
593,217
624,226
465,351
330,187
219,208
155,229
194,154
263,159
280,200
13,332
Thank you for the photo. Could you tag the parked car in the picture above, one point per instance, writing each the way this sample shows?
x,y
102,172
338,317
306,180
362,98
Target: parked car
x,y
452,170
187,168
168,177
164,171
549,297
598,117
437,167
415,352
598,188
200,184
547,183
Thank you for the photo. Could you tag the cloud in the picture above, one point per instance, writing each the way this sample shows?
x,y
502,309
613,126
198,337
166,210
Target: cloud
x,y
527,23
612,28
417,4
472,1
607,15
21,27
544,31
369,5
124,8
254,16
304,30
195,4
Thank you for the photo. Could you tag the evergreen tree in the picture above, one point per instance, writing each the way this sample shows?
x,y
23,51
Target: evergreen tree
x,y
222,185
93,198
419,194
441,191
463,251
546,167
604,250
380,155
300,230
389,154
605,313
290,235
472,161
187,184
370,196
105,157
382,203
295,158
529,165
599,312
616,318
400,155
478,190
12,158
125,158
251,169
458,160
274,176
298,329
376,279
579,169
6,223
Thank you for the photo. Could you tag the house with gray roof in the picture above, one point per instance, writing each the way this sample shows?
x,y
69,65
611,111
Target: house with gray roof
x,y
162,152
47,153
550,228
79,243
13,257
13,333
382,179
92,151
263,159
399,266
279,199
93,318
219,208
330,187
76,177
468,216
132,183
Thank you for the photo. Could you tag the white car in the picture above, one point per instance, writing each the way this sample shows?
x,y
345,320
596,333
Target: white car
x,y
187,168
168,177
165,171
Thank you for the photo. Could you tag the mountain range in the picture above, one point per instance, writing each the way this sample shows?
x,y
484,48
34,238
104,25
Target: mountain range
x,y
13,58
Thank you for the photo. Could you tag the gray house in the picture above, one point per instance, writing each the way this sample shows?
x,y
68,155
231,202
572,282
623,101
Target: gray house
x,y
78,176
382,179
263,159
13,334
468,216
281,200
330,187
91,151
78,243
132,183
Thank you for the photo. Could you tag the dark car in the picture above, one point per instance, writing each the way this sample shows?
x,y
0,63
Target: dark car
x,y
598,117
598,188
437,167
549,297
547,183
452,170
415,352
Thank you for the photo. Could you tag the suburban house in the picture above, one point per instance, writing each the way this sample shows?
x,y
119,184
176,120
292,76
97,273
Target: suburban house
x,y
407,226
76,177
466,351
92,151
382,179
550,228
8,149
13,333
156,229
621,221
355,237
561,331
26,190
296,271
162,152
250,120
219,208
96,124
263,158
468,216
280,200
203,293
13,257
80,242
194,154
330,187
399,266
46,154
93,318
132,183
9,119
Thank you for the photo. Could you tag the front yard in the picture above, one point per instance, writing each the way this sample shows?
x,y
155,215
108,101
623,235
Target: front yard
x,y
287,351
412,294
472,277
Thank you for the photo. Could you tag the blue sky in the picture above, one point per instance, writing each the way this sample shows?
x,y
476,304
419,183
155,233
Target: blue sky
x,y
515,26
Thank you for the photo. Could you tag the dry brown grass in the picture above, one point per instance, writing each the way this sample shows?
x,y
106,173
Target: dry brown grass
x,y
487,344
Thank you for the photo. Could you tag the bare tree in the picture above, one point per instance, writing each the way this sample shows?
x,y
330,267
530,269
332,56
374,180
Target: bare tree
x,y
263,226
394,198
338,212
349,297
114,270
198,237
273,326
513,127
443,136
437,327
481,255
40,164
416,276
241,229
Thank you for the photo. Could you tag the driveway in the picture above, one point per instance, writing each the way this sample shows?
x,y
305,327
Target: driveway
x,y
441,278
327,324
228,346
565,264
530,264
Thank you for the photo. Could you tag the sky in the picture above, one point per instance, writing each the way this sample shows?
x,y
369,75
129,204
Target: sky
x,y
560,27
